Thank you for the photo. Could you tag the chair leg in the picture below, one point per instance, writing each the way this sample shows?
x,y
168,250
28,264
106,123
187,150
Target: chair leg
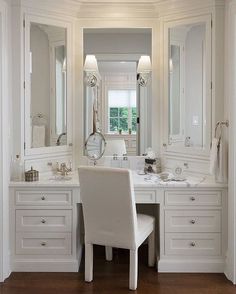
x,y
133,269
88,262
108,250
151,249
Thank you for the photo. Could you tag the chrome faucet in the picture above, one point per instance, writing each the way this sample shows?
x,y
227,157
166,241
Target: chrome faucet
x,y
59,139
64,170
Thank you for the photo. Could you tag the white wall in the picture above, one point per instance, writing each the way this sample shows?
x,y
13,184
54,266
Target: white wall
x,y
123,43
230,110
4,138
40,78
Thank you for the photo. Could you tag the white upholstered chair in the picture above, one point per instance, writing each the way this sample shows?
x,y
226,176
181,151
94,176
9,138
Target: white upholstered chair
x,y
110,217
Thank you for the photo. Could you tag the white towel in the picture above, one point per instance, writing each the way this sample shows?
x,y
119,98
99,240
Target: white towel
x,y
222,161
214,156
38,136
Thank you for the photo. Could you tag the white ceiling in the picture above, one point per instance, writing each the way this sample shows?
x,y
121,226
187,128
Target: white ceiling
x,y
119,1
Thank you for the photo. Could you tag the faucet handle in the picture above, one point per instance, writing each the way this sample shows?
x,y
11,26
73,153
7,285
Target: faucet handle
x,y
125,157
115,155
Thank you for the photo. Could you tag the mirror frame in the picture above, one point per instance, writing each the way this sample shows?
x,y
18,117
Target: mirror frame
x,y
86,143
189,151
31,18
154,26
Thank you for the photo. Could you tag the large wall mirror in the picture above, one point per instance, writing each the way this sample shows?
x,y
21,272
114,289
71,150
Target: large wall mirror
x,y
122,106
189,86
46,71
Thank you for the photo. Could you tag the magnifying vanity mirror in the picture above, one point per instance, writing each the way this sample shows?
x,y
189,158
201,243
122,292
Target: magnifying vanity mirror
x,y
46,75
95,146
189,86
122,106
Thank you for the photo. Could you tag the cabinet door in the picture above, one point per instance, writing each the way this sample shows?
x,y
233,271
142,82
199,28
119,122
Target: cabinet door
x,y
45,198
187,85
32,220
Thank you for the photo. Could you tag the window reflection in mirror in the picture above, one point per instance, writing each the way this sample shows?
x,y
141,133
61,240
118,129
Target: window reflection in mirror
x,y
118,99
187,85
48,85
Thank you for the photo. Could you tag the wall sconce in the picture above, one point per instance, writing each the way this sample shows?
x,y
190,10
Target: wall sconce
x,y
144,69
91,69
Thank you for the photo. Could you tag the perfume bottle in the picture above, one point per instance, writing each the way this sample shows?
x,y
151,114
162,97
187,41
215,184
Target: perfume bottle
x,y
17,169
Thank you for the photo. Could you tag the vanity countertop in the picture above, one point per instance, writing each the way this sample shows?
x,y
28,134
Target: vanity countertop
x,y
140,181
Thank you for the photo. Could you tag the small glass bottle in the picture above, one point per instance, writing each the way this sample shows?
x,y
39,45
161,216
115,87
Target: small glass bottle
x,y
17,169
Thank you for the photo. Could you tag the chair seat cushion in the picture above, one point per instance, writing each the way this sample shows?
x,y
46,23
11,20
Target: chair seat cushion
x,y
146,225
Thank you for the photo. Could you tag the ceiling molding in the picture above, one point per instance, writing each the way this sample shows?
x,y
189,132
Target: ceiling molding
x,y
118,9
169,7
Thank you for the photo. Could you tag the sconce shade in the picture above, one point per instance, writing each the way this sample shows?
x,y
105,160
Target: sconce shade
x,y
144,64
90,64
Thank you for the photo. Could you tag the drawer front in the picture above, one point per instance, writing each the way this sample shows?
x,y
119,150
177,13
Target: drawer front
x,y
43,220
185,244
43,243
192,221
145,196
43,198
194,198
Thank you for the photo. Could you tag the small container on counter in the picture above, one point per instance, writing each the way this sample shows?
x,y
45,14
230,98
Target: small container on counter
x,y
31,175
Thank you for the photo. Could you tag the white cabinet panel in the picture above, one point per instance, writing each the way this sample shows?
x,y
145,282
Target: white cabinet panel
x,y
192,221
36,197
43,220
193,198
43,243
145,196
193,244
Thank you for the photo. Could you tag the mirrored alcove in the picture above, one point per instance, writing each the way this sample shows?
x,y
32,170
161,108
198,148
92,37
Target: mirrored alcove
x,y
189,99
48,85
122,107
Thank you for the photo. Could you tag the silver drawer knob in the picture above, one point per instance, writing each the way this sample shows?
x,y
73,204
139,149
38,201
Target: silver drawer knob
x,y
192,244
43,244
193,221
43,221
192,198
43,198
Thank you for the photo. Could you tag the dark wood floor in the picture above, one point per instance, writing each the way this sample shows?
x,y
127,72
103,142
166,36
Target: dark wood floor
x,y
112,278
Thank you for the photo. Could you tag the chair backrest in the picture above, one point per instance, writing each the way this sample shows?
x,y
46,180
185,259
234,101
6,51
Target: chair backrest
x,y
115,146
108,206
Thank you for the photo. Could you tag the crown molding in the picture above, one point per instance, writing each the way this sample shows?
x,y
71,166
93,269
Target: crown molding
x,y
61,7
168,7
118,9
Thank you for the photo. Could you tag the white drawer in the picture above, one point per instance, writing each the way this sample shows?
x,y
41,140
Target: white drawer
x,y
145,196
193,244
32,220
192,221
43,243
194,198
46,198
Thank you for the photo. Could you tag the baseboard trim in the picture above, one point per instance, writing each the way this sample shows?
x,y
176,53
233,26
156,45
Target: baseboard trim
x,y
45,266
191,266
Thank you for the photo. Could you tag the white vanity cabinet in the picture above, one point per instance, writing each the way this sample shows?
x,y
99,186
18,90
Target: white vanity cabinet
x,y
44,229
191,225
194,230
